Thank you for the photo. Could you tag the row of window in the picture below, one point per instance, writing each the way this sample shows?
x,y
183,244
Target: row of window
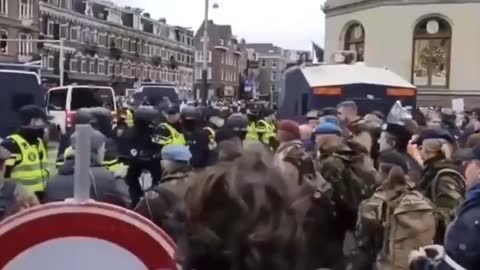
x,y
108,67
229,59
431,51
199,56
24,47
229,76
198,73
104,39
273,63
25,8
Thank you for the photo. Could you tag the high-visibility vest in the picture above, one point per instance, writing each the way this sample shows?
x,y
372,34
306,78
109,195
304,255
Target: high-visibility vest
x,y
252,132
32,171
211,137
175,137
268,132
129,118
112,165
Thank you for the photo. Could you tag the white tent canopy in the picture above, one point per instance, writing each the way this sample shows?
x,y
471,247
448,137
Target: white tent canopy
x,y
333,75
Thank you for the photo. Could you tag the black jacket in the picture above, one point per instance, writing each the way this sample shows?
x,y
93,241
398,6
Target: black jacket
x,y
105,187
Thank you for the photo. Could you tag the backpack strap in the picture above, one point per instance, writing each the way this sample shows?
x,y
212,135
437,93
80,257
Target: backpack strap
x,y
437,178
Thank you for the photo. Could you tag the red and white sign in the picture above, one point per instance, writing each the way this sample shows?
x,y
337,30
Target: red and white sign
x,y
83,236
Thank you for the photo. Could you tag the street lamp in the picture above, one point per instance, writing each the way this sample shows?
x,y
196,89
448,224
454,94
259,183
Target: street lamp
x,y
204,89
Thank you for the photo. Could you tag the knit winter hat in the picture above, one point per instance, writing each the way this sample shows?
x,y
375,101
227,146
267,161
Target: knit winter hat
x,y
288,131
327,128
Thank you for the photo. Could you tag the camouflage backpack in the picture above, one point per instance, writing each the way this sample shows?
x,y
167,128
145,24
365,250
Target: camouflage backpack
x,y
298,157
357,180
407,221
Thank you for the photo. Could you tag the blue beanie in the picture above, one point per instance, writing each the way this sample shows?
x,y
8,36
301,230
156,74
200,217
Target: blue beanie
x,y
176,153
327,128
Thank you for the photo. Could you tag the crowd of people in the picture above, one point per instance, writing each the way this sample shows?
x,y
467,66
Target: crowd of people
x,y
236,188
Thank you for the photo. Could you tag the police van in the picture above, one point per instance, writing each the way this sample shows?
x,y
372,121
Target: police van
x,y
153,93
313,87
19,88
63,102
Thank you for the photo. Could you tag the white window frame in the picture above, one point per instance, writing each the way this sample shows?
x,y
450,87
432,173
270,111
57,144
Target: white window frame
x,y
4,31
99,39
118,70
73,60
152,74
83,65
126,44
109,68
209,73
110,39
94,37
222,42
86,33
67,31
133,71
77,29
274,76
4,7
50,57
273,88
25,10
25,47
145,73
50,26
92,64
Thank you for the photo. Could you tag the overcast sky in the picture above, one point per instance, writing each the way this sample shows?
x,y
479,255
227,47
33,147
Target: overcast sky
x,y
291,24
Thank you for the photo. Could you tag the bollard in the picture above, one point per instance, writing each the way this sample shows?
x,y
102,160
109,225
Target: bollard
x,y
81,190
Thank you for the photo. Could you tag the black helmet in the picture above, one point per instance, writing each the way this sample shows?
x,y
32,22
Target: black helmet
x,y
237,122
191,113
145,114
29,112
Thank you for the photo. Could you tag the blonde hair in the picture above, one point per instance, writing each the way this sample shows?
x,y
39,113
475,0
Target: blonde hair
x,y
433,147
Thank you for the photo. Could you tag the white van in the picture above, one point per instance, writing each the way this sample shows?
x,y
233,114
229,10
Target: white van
x,y
63,102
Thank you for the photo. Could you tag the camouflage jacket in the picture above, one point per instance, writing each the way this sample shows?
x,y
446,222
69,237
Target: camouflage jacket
x,y
444,185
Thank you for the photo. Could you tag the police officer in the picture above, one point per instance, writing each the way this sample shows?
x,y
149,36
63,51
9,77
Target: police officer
x,y
140,152
13,195
267,130
253,115
29,163
196,137
101,119
214,122
170,131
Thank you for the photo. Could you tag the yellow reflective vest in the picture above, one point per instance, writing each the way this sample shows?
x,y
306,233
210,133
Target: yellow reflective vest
x,y
112,165
252,134
268,131
32,171
129,118
175,137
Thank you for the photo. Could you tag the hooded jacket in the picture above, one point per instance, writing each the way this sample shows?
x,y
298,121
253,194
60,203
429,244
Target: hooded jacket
x,y
105,187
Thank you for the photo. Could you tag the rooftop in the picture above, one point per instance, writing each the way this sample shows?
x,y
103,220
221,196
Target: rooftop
x,y
265,48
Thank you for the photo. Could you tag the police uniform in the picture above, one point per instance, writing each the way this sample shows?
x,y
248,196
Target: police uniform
x,y
266,132
29,163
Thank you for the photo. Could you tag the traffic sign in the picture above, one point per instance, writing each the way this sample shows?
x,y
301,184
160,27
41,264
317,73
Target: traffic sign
x,y
91,235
